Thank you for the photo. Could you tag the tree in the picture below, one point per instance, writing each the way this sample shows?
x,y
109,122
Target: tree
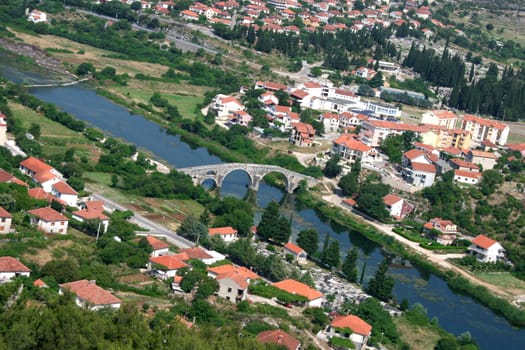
x,y
489,26
381,285
376,81
271,222
192,229
365,90
85,68
349,183
349,267
308,240
490,180
62,270
136,5
284,230
331,256
332,167
392,146
34,129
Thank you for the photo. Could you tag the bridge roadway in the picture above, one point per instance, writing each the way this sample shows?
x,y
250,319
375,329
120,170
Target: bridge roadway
x,y
256,172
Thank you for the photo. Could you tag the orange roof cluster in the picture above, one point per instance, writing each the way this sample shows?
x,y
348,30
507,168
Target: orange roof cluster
x,y
485,122
47,214
10,264
293,287
355,323
484,242
90,292
349,141
4,213
279,337
293,248
168,261
227,230
391,199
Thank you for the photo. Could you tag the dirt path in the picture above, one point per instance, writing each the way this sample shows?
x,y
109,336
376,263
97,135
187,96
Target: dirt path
x,y
437,259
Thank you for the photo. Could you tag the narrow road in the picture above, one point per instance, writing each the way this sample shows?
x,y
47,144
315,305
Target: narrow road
x,y
152,227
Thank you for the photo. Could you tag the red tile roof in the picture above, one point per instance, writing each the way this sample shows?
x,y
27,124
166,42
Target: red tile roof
x,y
168,261
278,337
349,141
442,114
5,176
464,164
218,270
299,94
10,264
294,287
349,201
293,248
90,292
238,277
484,242
471,174
483,121
413,153
196,253
517,147
156,243
356,324
63,188
48,214
39,193
483,154
39,283
429,168
227,230
35,165
390,199
4,213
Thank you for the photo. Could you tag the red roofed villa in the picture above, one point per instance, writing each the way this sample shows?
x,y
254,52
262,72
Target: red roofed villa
x,y
89,295
165,266
486,249
49,220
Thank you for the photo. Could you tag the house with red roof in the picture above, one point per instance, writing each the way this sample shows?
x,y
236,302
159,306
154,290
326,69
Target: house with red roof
x,y
486,249
486,159
418,169
227,233
447,119
40,284
40,172
39,193
11,268
467,177
460,164
517,147
64,192
302,135
298,253
350,327
314,297
165,266
224,105
49,220
5,221
93,210
397,206
89,295
158,246
350,148
280,338
233,281
6,177
330,122
442,231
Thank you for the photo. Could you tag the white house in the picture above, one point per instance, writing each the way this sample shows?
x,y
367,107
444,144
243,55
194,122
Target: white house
x,y
467,177
40,172
330,122
446,119
11,267
486,249
233,281
5,221
297,252
224,105
445,230
486,159
3,129
397,207
166,266
63,191
352,328
485,129
314,297
49,220
36,16
93,210
350,148
418,169
227,233
90,296
159,247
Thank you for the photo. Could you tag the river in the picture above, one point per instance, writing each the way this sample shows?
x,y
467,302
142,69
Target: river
x,y
455,313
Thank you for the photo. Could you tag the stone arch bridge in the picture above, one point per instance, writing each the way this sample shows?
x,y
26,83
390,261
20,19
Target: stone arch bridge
x,y
256,172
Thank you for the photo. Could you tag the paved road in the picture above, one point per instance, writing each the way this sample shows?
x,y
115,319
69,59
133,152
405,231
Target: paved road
x,y
152,227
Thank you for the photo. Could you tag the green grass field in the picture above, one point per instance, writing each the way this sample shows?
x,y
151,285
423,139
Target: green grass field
x,y
502,279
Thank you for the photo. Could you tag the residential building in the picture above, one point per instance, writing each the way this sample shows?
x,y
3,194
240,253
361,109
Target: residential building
x,y
11,268
224,105
467,177
486,249
517,147
460,164
486,159
383,109
3,129
227,233
165,266
298,253
158,246
197,253
315,298
397,206
91,296
270,86
350,148
352,328
233,281
5,221
446,119
330,122
40,172
93,210
418,169
486,129
302,135
49,220
6,177
39,193
442,231
374,131
36,16
64,192
241,118
280,338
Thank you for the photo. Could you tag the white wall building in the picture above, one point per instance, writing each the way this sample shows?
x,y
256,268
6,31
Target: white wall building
x,y
486,249
5,221
11,268
49,220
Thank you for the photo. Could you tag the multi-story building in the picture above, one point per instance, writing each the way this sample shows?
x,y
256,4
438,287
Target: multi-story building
x,y
442,231
443,118
486,249
485,129
350,148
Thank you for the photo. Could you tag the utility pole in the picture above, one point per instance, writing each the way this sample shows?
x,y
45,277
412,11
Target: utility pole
x,y
98,230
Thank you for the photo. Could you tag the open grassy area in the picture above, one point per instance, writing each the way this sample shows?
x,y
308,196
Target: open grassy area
x,y
418,338
502,279
55,137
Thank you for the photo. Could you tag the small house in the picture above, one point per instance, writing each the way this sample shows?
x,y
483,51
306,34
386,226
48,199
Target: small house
x,y
159,247
227,233
279,338
165,266
486,249
49,220
298,253
314,297
442,231
352,328
5,221
11,268
91,296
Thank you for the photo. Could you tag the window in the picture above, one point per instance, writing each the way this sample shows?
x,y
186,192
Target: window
x,y
3,220
52,224
229,290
